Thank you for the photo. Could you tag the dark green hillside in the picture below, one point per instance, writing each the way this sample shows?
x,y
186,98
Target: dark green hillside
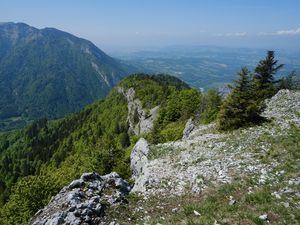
x,y
50,73
42,158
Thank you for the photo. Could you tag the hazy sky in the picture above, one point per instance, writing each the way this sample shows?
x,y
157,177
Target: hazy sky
x,y
134,24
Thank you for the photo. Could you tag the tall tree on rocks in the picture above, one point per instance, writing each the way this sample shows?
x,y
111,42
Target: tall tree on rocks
x,y
264,76
239,108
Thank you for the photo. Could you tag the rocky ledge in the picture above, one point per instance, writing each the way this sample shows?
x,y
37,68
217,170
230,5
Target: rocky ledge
x,y
205,156
84,201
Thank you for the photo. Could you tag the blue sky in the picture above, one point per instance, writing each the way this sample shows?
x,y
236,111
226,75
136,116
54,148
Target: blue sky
x,y
138,24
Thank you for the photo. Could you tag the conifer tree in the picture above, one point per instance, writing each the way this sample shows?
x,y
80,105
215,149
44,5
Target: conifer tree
x,y
239,108
264,76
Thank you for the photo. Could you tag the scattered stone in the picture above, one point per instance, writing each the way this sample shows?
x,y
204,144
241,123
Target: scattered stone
x,y
174,210
286,204
276,195
263,217
196,213
295,181
232,201
216,222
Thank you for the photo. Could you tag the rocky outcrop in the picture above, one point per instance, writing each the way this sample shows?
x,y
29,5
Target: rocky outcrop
x,y
206,157
84,201
139,120
189,127
284,107
139,161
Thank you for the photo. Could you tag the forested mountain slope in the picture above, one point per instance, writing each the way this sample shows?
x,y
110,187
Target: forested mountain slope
x,y
50,73
37,161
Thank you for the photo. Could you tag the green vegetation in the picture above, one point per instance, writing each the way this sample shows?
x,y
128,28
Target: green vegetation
x,y
246,101
61,74
210,106
240,108
37,161
179,107
291,82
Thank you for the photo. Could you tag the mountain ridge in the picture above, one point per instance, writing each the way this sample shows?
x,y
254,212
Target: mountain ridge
x,y
205,178
50,73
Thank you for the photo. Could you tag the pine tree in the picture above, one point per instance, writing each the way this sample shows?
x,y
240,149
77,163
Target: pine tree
x,y
210,106
239,108
264,76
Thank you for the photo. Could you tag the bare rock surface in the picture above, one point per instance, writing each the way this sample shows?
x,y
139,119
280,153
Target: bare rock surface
x,y
139,120
189,127
139,162
84,201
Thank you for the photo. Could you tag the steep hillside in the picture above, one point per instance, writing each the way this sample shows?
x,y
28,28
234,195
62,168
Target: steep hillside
x,y
50,73
249,176
39,160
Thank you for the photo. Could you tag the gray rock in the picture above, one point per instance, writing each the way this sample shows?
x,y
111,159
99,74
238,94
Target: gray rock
x,y
286,204
216,223
189,127
139,120
174,210
232,201
76,184
139,160
80,202
263,217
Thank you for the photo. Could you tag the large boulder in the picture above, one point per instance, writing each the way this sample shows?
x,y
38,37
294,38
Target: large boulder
x,y
139,161
84,201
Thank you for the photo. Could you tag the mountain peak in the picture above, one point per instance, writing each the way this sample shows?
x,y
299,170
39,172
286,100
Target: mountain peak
x,y
50,73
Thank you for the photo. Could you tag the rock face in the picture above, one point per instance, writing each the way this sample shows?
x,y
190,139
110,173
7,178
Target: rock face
x,y
139,161
138,119
84,201
189,127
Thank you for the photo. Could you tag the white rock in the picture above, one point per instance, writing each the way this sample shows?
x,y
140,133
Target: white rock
x,y
174,210
138,165
263,217
196,213
189,127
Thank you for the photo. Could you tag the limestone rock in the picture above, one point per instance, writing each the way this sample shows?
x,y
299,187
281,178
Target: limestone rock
x,y
189,127
139,120
82,200
139,160
263,217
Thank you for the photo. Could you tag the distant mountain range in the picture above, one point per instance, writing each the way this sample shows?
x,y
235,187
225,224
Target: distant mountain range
x,y
50,73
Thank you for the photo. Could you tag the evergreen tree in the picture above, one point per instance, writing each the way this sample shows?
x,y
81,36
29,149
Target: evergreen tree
x,y
264,76
288,82
210,106
239,108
